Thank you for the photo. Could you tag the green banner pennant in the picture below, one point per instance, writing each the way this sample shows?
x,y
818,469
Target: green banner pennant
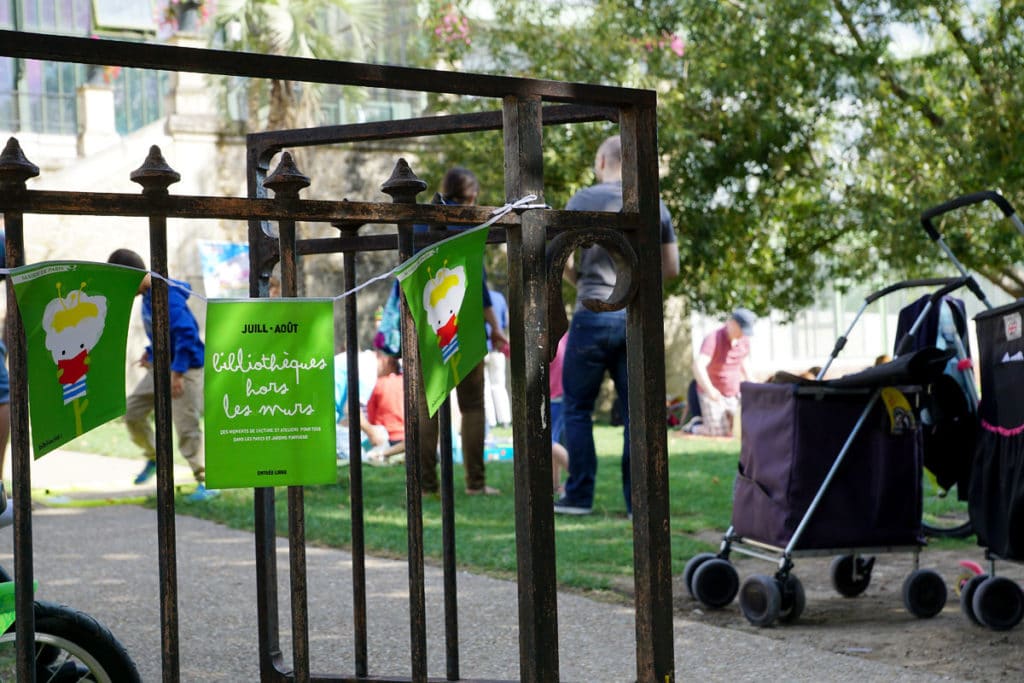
x,y
269,393
443,286
7,613
76,318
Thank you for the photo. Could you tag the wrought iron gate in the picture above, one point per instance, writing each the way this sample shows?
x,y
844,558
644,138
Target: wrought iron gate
x,y
539,241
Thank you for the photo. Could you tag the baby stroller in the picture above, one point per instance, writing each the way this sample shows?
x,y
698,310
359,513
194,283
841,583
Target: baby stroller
x,y
949,407
826,468
996,490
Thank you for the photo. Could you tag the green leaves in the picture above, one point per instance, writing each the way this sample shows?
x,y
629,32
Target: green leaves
x,y
800,140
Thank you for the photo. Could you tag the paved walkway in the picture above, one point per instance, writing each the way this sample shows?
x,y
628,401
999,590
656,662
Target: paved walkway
x,y
102,560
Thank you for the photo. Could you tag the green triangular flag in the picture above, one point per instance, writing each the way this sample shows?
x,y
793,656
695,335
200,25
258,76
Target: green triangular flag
x,y
443,286
76,318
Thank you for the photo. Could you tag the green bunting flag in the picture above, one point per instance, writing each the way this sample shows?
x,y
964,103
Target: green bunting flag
x,y
269,393
76,329
443,286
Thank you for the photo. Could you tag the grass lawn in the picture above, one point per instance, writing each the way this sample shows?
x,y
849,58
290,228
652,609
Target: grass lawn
x,y
593,552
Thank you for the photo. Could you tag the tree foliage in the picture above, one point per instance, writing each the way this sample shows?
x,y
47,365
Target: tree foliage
x,y
800,139
320,29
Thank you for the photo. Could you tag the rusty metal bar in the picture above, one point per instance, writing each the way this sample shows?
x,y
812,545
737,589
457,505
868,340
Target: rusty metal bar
x,y
355,468
199,60
531,409
238,208
155,176
270,141
447,485
645,336
15,169
262,253
403,186
286,181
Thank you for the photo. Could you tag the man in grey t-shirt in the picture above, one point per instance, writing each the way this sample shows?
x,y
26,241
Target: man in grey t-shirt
x,y
597,341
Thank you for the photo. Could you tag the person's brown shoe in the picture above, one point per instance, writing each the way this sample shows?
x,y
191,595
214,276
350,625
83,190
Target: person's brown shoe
x,y
485,491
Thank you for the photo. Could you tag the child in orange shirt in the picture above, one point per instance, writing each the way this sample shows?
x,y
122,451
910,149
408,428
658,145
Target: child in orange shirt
x,y
384,421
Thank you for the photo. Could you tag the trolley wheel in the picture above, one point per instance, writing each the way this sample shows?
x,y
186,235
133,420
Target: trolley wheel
x,y
967,597
760,600
998,603
691,568
851,574
924,593
715,583
794,600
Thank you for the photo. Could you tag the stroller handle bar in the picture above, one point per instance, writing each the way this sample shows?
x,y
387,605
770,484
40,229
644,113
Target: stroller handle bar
x,y
966,200
951,282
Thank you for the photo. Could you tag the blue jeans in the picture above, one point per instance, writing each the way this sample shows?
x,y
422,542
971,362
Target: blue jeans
x,y
597,343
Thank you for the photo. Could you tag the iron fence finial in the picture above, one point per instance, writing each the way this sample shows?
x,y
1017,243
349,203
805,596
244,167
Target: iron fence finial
x,y
287,179
155,175
15,169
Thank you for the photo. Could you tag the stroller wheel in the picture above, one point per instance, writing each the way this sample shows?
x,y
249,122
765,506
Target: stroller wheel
x,y
851,574
967,597
998,603
691,568
760,600
924,593
715,583
794,600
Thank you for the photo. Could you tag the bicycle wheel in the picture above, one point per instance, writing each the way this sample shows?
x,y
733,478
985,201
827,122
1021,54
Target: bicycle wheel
x,y
944,514
70,646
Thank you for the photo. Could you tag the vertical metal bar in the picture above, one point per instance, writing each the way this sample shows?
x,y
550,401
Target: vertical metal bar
x,y
403,186
264,521
15,169
447,485
645,341
285,182
448,550
355,468
531,407
155,176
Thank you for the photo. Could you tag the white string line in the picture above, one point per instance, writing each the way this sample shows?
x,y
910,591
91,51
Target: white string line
x,y
496,215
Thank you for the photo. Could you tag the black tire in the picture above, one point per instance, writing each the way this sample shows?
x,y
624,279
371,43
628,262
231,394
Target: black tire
x,y
70,645
967,597
691,568
794,600
715,583
998,603
924,593
760,600
957,531
944,515
851,575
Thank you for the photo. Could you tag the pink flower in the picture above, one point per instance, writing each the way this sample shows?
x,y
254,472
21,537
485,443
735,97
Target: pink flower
x,y
677,45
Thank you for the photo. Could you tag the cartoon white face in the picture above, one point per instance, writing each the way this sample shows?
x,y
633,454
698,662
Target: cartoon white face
x,y
443,295
73,324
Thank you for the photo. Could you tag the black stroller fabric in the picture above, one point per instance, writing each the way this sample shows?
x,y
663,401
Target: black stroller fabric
x,y
996,500
950,436
928,331
950,429
793,433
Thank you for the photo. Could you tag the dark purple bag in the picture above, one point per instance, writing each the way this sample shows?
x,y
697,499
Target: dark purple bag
x,y
791,435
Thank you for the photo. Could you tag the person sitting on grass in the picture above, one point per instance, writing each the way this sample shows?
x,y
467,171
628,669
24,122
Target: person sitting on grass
x,y
384,421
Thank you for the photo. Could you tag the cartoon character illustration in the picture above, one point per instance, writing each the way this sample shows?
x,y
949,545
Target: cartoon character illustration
x,y
73,325
442,300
